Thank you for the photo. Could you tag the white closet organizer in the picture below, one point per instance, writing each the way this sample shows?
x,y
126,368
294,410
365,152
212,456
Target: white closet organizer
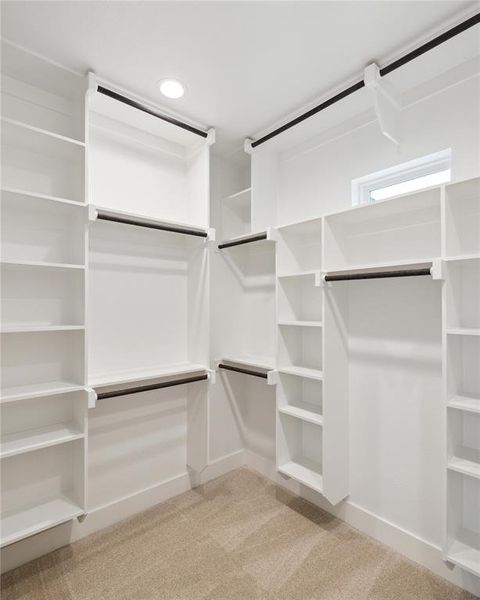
x,y
148,257
461,371
43,401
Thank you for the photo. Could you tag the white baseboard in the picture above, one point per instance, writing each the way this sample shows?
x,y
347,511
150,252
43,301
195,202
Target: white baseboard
x,y
400,540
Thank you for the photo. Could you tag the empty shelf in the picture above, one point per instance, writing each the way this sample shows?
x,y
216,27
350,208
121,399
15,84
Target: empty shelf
x,y
18,525
305,471
136,375
465,403
49,388
463,331
255,362
39,328
238,194
465,556
463,257
26,194
298,274
261,236
41,141
302,413
302,372
41,263
464,466
300,323
35,439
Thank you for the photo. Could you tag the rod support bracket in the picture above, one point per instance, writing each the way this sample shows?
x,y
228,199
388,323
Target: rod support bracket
x,y
437,270
212,376
91,397
211,136
92,83
273,377
385,104
247,146
92,213
212,234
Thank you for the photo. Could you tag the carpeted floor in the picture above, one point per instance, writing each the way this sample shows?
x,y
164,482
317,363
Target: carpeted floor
x,y
238,537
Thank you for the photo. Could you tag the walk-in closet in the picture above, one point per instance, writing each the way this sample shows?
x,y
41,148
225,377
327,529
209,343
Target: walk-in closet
x,y
240,300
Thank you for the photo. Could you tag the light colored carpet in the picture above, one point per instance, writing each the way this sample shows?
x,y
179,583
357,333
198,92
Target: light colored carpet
x,y
238,537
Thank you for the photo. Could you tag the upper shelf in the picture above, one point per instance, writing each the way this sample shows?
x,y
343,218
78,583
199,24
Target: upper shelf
x,y
262,236
128,218
40,141
148,126
145,375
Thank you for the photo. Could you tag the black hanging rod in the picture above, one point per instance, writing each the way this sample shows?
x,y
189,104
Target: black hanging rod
x,y
104,216
241,370
149,111
440,39
378,274
247,240
147,388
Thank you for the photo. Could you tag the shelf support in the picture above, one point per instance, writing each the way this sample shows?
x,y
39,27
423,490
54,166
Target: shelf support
x,y
386,107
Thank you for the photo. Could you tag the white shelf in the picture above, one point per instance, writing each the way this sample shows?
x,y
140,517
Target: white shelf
x,y
36,439
462,331
39,328
302,413
28,521
464,466
465,556
41,264
306,472
37,139
466,403
419,263
256,362
33,195
238,194
302,372
462,257
299,274
300,323
50,388
147,219
119,378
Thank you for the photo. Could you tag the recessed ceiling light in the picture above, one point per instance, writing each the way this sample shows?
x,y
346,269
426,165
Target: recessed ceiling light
x,y
171,88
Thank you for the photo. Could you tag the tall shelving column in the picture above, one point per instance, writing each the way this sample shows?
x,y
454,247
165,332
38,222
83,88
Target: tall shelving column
x,y
461,342
43,399
308,437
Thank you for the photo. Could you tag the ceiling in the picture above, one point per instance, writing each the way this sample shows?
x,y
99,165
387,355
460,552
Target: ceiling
x,y
245,64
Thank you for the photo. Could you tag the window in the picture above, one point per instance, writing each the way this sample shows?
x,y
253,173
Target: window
x,y
428,171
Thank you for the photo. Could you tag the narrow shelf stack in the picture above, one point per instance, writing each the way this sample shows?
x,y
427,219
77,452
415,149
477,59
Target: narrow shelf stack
x,y
43,400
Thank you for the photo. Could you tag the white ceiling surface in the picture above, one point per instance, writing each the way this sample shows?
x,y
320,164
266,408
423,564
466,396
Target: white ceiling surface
x,y
245,64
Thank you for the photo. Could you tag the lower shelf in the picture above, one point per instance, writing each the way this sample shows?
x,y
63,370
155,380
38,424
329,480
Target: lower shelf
x,y
465,403
306,472
464,466
465,556
36,439
302,412
302,372
16,526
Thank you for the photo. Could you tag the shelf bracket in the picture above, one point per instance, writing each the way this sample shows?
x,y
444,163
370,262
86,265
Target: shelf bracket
x,y
91,397
247,146
387,108
437,270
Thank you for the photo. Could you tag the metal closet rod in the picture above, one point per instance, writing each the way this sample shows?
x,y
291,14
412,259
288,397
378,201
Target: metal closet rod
x,y
140,223
378,274
241,370
440,39
149,111
153,386
253,238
